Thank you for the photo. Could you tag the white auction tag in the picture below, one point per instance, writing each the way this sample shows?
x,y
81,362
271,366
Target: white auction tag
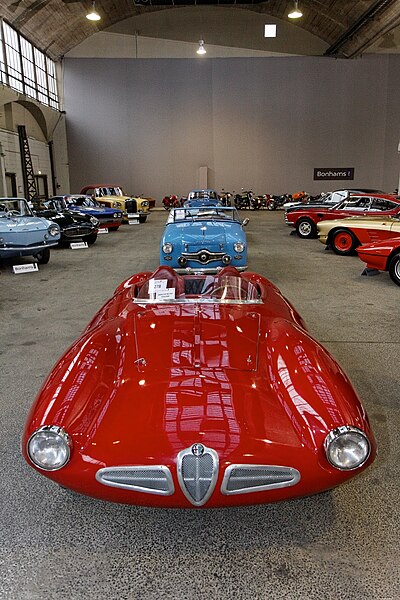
x,y
167,294
25,268
157,284
101,230
78,245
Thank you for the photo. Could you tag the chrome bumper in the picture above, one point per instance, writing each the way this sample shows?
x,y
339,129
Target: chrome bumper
x,y
27,248
204,271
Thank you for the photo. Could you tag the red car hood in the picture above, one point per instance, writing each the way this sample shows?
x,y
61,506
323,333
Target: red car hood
x,y
249,385
382,248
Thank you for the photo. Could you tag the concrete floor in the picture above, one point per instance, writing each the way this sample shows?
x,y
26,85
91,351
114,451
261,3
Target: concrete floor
x,y
343,544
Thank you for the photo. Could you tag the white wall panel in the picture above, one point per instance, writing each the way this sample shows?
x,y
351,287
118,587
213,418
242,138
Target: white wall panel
x,y
263,123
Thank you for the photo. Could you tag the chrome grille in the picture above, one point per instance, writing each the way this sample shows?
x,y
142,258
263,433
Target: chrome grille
x,y
130,206
78,231
197,474
203,256
241,479
148,479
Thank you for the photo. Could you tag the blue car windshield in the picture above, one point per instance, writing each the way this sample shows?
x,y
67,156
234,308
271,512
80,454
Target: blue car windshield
x,y
17,207
205,213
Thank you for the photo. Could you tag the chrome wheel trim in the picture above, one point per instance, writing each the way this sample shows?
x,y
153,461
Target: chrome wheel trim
x,y
305,228
397,268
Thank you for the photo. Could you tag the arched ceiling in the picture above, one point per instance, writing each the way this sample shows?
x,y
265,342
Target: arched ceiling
x,y
347,27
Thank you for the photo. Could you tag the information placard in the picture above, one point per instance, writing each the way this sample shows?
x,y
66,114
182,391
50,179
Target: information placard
x,y
78,245
30,268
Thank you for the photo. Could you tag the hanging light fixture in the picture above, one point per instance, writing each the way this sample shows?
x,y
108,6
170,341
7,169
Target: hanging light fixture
x,y
201,49
296,12
93,15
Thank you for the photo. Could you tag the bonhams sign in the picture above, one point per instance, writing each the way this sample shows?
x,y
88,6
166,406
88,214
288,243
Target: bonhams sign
x,y
347,173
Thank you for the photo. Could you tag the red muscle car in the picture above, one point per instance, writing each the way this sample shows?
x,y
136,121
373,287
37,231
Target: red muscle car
x,y
197,391
305,218
383,256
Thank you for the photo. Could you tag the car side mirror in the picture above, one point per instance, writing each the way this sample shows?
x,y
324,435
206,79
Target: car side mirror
x,y
245,222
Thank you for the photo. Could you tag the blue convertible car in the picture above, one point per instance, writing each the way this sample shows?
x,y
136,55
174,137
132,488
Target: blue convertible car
x,y
204,240
23,234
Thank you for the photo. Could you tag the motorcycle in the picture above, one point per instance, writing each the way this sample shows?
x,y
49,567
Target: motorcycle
x,y
299,196
258,202
225,198
275,202
171,202
243,200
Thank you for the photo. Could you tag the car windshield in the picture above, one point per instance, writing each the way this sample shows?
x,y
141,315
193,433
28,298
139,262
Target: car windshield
x,y
52,204
109,191
221,289
206,213
201,194
81,201
17,207
354,203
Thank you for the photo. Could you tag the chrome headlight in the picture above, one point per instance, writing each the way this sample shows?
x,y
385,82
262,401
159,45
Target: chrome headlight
x,y
94,221
116,215
167,248
117,204
347,448
49,448
238,246
53,230
145,203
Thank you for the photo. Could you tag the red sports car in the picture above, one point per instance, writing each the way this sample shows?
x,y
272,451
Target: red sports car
x,y
383,256
305,218
197,391
344,235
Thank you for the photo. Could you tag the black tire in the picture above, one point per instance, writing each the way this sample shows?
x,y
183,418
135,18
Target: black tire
x,y
90,239
44,256
343,242
394,269
306,229
142,218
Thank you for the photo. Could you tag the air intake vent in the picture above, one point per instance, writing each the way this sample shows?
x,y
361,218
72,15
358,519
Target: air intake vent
x,y
150,480
197,473
242,479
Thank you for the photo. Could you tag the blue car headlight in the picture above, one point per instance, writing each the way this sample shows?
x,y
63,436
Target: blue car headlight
x,y
116,215
167,248
238,246
53,230
49,448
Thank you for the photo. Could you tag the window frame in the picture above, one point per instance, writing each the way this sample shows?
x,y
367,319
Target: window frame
x,y
27,69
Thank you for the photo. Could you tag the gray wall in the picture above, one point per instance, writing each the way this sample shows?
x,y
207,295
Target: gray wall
x,y
260,123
